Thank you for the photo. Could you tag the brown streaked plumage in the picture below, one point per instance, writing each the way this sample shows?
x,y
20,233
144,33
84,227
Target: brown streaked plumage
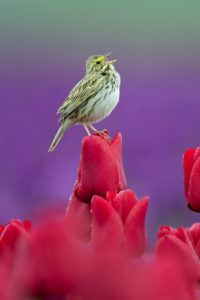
x,y
92,99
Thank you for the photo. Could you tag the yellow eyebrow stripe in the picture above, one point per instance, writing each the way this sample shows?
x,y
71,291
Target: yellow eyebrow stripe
x,y
100,58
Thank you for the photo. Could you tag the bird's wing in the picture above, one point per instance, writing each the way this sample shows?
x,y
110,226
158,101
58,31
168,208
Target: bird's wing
x,y
69,99
82,92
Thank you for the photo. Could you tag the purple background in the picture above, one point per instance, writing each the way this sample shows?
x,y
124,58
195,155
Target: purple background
x,y
43,53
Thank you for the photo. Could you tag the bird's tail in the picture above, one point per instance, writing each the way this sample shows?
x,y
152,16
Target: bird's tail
x,y
59,134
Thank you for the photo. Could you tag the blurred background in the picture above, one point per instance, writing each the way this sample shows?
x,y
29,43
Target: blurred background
x,y
43,49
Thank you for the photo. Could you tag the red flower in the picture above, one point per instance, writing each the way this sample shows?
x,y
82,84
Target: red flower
x,y
191,165
113,277
118,222
100,168
50,262
117,218
182,244
11,234
113,224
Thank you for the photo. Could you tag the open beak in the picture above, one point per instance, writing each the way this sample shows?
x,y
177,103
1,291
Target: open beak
x,y
107,61
110,62
107,55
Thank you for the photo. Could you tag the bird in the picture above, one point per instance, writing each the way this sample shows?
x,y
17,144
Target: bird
x,y
92,99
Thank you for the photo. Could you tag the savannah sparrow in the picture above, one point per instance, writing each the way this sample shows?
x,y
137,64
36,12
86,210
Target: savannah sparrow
x,y
92,99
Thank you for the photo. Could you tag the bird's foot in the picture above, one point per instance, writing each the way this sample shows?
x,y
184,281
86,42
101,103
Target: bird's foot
x,y
103,133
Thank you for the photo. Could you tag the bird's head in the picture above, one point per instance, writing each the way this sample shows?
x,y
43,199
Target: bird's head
x,y
99,63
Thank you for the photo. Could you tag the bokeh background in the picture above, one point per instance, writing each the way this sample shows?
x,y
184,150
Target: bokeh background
x,y
43,48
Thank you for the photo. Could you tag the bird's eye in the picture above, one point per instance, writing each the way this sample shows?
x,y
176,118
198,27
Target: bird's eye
x,y
104,73
98,62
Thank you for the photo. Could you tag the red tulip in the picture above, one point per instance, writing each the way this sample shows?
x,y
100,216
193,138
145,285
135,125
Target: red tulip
x,y
100,168
13,232
118,223
53,265
12,237
49,264
191,165
115,223
100,171
182,244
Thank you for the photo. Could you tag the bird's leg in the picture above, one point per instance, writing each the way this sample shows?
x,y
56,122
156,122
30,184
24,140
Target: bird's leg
x,y
87,130
101,133
92,127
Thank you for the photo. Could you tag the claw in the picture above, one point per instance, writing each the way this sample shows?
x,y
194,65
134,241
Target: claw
x,y
103,133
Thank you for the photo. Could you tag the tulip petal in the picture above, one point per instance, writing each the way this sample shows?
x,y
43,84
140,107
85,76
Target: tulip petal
x,y
117,149
12,232
107,227
194,187
188,162
195,232
134,229
78,219
197,153
124,202
164,230
197,249
110,195
27,225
